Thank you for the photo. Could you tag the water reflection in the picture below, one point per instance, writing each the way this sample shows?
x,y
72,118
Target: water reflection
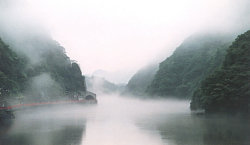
x,y
205,130
125,121
37,128
226,130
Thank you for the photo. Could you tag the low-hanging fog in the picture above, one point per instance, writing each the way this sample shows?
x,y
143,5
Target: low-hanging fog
x,y
132,121
123,120
118,36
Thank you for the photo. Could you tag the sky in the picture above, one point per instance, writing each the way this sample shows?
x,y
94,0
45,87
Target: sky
x,y
122,36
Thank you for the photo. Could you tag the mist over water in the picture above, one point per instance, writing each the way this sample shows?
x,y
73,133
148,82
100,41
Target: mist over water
x,y
120,121
117,120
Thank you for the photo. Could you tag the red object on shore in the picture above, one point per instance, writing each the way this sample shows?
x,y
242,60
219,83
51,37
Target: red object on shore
x,y
42,103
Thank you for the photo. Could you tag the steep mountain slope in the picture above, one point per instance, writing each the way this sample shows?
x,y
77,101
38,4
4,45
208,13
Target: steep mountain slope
x,y
51,77
141,80
180,74
228,89
56,65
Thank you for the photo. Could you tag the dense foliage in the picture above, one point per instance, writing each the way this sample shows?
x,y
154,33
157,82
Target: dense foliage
x,y
57,64
12,75
139,82
180,74
228,89
53,75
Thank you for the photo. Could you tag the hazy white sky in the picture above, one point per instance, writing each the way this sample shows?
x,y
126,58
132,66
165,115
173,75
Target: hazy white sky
x,y
124,35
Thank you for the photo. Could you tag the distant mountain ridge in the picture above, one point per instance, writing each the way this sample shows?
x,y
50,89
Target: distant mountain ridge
x,y
102,86
140,81
116,77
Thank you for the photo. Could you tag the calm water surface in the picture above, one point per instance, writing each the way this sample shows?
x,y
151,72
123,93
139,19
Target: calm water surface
x,y
124,121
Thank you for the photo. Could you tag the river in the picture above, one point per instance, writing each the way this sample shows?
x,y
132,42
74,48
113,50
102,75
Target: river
x,y
125,121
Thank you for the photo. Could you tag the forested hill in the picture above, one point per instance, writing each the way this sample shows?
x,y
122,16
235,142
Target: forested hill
x,y
12,74
228,89
181,73
52,76
139,82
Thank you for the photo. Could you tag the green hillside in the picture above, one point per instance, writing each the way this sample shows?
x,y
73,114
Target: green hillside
x,y
181,73
228,89
52,77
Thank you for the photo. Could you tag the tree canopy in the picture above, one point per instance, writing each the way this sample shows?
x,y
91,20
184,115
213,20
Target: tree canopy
x,y
228,89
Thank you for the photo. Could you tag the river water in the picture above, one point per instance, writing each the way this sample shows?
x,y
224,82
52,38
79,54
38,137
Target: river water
x,y
124,121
